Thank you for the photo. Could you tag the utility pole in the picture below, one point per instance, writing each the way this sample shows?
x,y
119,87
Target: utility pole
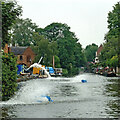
x,y
53,62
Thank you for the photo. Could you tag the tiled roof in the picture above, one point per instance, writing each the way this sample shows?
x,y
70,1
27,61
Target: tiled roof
x,y
99,50
18,50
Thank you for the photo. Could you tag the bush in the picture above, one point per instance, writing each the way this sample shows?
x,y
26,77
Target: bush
x,y
65,72
9,75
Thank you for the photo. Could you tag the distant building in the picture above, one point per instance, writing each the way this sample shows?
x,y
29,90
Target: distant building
x,y
25,55
98,54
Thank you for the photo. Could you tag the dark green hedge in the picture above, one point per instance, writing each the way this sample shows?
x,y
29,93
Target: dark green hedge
x,y
9,75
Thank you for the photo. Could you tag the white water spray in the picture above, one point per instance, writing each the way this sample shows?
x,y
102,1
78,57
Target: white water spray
x,y
39,66
32,92
40,60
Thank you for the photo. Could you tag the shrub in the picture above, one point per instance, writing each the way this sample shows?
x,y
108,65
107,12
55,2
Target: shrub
x,y
9,75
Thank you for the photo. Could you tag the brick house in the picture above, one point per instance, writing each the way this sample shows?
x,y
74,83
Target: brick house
x,y
98,53
25,55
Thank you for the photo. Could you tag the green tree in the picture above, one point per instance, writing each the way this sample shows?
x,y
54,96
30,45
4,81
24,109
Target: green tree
x,y
69,51
46,49
10,12
112,38
54,31
90,52
114,61
110,49
9,75
41,48
54,47
80,58
114,22
57,62
22,32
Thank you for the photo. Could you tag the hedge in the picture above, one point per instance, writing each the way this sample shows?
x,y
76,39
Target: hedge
x,y
9,75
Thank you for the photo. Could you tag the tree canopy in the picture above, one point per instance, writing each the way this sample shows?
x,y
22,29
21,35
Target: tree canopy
x,y
90,52
22,32
55,39
111,46
114,22
55,31
64,46
44,48
10,12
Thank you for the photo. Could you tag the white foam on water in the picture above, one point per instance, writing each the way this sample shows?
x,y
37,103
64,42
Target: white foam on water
x,y
30,93
35,91
77,79
58,78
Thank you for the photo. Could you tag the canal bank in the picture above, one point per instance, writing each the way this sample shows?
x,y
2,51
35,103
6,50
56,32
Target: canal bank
x,y
97,98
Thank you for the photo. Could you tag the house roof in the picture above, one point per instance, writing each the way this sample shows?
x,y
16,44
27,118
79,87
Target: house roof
x,y
99,49
18,50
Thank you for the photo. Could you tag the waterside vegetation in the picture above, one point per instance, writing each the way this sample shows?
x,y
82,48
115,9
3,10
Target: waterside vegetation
x,y
55,40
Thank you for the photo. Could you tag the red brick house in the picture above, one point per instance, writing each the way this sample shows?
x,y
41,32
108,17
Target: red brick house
x,y
98,53
25,55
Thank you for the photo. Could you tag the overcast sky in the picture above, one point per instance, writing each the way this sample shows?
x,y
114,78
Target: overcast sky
x,y
87,18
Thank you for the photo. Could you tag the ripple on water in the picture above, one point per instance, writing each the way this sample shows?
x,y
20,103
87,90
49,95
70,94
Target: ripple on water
x,y
97,98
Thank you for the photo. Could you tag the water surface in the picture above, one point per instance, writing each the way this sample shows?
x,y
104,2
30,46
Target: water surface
x,y
98,98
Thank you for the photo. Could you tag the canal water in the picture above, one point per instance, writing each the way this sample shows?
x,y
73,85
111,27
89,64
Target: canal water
x,y
97,98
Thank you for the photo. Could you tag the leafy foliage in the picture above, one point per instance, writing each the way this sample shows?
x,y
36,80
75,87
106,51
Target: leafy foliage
x,y
114,22
44,48
22,32
112,38
54,31
90,51
10,12
114,61
55,39
9,75
110,49
70,52
57,62
62,43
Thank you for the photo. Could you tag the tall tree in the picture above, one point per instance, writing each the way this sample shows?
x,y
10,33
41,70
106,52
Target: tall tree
x,y
70,52
112,38
22,32
80,58
110,49
10,12
55,31
90,52
44,48
113,23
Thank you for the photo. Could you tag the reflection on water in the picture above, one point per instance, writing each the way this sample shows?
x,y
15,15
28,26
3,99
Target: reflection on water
x,y
113,90
98,98
8,112
68,90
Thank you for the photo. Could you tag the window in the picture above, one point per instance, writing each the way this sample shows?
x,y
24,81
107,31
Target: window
x,y
21,58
